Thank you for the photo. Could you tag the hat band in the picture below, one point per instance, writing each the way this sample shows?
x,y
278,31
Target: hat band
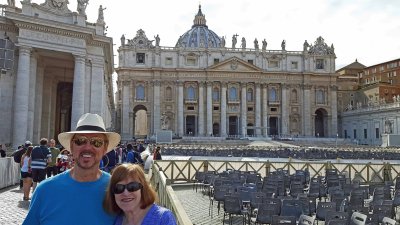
x,y
90,128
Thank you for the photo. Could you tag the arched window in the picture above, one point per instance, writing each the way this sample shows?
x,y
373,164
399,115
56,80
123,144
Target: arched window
x,y
249,95
215,95
232,94
293,96
140,92
272,95
320,97
168,93
190,93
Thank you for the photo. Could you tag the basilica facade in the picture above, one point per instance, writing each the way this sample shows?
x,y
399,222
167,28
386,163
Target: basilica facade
x,y
55,66
202,87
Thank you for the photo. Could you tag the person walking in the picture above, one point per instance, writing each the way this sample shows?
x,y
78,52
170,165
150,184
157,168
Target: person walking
x,y
81,188
132,199
39,158
52,166
26,173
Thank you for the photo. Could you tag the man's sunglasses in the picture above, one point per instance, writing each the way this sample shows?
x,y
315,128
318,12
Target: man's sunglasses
x,y
94,141
131,187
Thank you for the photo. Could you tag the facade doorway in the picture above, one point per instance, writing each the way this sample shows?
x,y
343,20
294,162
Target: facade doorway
x,y
190,125
140,122
320,121
233,125
216,130
250,131
273,126
63,107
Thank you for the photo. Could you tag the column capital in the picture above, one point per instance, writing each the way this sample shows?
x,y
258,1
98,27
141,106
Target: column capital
x,y
243,84
201,83
25,49
334,87
307,86
265,85
126,82
179,83
258,85
209,83
224,84
285,86
156,82
80,58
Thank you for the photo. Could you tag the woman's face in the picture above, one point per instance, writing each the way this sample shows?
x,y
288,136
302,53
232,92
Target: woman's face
x,y
126,200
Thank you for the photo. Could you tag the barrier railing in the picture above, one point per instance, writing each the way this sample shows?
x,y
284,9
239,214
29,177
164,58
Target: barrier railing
x,y
9,172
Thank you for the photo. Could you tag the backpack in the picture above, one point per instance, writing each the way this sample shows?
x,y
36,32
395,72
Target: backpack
x,y
18,155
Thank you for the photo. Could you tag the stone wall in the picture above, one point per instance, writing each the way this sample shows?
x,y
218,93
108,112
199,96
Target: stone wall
x,y
9,172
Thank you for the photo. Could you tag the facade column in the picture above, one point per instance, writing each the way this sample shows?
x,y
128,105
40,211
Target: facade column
x,y
78,92
156,106
201,109
38,105
265,109
97,84
307,123
32,97
244,110
20,121
223,109
258,110
125,120
285,110
333,103
180,109
209,109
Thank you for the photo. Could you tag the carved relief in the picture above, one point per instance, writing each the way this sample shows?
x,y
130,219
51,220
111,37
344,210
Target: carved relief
x,y
57,5
321,48
140,41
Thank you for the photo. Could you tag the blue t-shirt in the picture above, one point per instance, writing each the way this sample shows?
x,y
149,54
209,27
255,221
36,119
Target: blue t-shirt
x,y
156,215
62,200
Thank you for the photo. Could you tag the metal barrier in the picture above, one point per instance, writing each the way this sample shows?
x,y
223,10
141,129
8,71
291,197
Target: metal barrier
x,y
9,172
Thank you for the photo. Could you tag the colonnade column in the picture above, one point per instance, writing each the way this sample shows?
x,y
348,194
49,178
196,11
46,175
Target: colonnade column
x,y
156,106
223,109
78,92
307,128
209,108
97,83
32,97
265,109
285,110
180,108
333,103
244,110
20,121
37,126
258,110
201,109
125,120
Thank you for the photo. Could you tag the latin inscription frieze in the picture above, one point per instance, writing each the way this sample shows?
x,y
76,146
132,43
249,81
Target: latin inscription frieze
x,y
52,38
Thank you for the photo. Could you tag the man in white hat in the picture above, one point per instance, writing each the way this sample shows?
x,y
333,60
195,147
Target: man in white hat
x,y
75,196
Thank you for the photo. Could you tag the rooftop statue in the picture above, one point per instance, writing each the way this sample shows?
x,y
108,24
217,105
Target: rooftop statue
x,y
234,40
264,45
100,18
11,3
123,40
223,42
243,43
82,6
283,45
157,40
256,44
305,46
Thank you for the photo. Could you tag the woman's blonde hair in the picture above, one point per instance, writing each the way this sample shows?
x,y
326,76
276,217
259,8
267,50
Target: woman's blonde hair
x,y
120,173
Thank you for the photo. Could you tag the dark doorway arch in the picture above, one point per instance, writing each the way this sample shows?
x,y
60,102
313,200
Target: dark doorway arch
x,y
321,116
250,132
216,130
190,125
273,126
233,125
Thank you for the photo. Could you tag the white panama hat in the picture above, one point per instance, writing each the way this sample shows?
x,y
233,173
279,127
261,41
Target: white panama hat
x,y
90,123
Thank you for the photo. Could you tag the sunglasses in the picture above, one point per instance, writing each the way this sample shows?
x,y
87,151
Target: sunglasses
x,y
131,187
94,141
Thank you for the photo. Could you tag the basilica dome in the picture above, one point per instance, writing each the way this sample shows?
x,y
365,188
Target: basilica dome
x,y
199,36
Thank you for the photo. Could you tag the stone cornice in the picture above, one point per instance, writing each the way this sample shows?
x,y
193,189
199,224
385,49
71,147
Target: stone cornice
x,y
52,30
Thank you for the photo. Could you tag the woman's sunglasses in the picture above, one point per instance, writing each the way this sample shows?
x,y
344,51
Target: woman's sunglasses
x,y
131,187
94,141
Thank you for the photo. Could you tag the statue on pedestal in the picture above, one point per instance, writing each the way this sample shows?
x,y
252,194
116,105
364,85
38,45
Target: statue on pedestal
x,y
100,18
256,44
264,45
234,40
243,43
223,42
157,40
283,45
123,40
305,46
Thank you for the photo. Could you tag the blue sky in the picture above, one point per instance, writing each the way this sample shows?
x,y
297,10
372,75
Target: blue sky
x,y
368,30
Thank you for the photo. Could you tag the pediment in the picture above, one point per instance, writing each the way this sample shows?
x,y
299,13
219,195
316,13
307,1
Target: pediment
x,y
234,64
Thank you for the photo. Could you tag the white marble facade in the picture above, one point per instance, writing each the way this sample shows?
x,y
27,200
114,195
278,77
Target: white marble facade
x,y
203,88
62,68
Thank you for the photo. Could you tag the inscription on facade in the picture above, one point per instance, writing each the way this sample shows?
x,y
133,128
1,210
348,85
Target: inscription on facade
x,y
52,38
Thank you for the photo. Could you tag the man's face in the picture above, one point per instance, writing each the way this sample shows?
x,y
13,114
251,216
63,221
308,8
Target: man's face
x,y
88,149
52,143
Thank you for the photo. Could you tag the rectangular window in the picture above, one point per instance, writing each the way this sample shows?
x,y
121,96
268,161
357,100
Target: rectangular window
x,y
295,65
355,134
273,64
345,133
250,109
377,133
190,108
250,61
319,64
216,60
274,109
168,61
216,108
190,61
140,58
365,134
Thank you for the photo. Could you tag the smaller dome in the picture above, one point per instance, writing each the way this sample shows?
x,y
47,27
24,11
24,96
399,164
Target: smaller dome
x,y
199,36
